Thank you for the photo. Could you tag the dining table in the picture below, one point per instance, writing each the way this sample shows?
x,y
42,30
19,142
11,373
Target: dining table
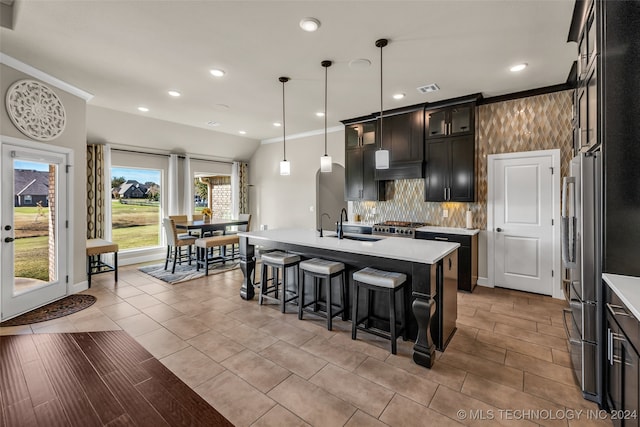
x,y
211,224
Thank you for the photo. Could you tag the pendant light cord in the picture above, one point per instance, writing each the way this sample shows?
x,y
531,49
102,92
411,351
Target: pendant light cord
x,y
326,64
283,80
326,70
381,43
381,110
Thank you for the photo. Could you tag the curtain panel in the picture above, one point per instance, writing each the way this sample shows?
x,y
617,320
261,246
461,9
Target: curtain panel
x,y
243,188
96,176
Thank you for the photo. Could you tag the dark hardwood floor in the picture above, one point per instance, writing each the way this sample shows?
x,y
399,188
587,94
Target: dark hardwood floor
x,y
93,379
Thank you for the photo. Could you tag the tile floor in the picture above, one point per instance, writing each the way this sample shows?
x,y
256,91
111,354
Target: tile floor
x,y
506,365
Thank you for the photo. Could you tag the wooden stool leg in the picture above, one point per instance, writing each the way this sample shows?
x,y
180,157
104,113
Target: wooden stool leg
x,y
343,295
329,308
264,273
89,269
392,319
354,315
284,289
403,318
175,255
301,294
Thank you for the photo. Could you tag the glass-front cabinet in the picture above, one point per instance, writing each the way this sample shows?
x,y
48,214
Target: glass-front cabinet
x,y
450,121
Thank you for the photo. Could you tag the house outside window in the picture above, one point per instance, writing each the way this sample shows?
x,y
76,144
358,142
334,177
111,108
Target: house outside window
x,y
135,207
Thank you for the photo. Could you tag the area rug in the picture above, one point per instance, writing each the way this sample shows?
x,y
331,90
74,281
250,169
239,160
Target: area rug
x,y
63,307
185,272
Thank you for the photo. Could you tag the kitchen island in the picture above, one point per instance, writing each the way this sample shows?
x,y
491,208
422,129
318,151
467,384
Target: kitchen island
x,y
430,266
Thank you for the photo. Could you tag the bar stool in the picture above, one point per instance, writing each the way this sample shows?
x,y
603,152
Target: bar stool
x,y
382,281
322,269
277,260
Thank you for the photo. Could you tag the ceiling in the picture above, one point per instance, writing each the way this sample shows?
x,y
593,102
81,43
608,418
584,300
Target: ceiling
x,y
129,53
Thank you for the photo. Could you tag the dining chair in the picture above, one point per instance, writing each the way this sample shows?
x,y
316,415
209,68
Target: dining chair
x,y
175,243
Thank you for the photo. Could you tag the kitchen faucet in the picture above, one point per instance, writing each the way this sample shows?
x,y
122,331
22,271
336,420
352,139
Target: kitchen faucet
x,y
323,214
340,232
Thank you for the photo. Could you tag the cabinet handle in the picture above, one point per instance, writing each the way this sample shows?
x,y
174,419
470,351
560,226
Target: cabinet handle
x,y
445,194
444,239
449,263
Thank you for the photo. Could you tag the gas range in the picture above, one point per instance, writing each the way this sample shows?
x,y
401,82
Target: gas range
x,y
397,228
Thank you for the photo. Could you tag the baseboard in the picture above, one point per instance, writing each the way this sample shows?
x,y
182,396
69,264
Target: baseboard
x,y
139,259
483,281
78,287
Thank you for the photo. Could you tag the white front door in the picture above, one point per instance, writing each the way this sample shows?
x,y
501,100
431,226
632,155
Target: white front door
x,y
34,235
522,216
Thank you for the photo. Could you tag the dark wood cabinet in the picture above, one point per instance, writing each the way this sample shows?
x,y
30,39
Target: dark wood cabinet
x,y
403,136
360,147
467,256
622,374
360,134
450,169
451,121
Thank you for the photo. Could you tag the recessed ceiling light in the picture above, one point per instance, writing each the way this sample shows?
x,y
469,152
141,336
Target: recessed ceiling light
x,y
143,109
320,114
398,96
216,72
242,132
518,67
309,24
213,123
174,93
277,124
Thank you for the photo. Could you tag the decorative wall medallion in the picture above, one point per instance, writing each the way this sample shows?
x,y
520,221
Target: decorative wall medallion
x,y
35,110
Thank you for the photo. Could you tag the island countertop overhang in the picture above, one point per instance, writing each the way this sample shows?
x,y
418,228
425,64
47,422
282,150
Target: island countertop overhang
x,y
419,251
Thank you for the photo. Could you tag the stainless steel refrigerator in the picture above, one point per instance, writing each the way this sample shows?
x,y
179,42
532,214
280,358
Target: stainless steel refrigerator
x,y
581,256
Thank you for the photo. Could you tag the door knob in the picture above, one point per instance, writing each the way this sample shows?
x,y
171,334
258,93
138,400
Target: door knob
x,y
8,239
499,230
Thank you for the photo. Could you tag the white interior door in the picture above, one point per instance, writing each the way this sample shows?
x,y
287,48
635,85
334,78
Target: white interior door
x,y
34,235
521,194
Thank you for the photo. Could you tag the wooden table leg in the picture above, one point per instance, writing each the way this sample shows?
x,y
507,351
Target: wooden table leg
x,y
247,265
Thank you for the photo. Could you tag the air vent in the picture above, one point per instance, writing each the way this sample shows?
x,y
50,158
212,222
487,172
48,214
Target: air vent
x,y
428,88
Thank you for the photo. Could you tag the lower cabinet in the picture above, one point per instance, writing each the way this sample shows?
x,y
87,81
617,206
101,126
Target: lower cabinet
x,y
621,362
467,256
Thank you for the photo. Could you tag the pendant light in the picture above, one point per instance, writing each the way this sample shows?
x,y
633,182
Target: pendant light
x,y
325,161
285,165
382,156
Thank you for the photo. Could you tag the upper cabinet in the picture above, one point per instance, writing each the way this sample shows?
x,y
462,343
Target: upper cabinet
x,y
360,147
360,134
450,173
403,136
452,121
586,104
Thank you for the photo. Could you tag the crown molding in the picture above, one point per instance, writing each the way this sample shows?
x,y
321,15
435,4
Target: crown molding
x,y
302,135
41,75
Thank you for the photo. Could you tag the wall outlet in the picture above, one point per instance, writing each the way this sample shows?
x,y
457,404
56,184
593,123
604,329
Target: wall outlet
x,y
445,213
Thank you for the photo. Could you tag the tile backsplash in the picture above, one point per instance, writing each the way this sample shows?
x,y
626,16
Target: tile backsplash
x,y
405,202
539,122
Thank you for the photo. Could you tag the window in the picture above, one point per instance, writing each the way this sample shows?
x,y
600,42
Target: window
x,y
28,200
135,207
218,189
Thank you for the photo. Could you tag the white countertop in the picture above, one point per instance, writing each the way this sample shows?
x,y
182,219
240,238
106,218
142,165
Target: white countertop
x,y
449,230
628,290
401,248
